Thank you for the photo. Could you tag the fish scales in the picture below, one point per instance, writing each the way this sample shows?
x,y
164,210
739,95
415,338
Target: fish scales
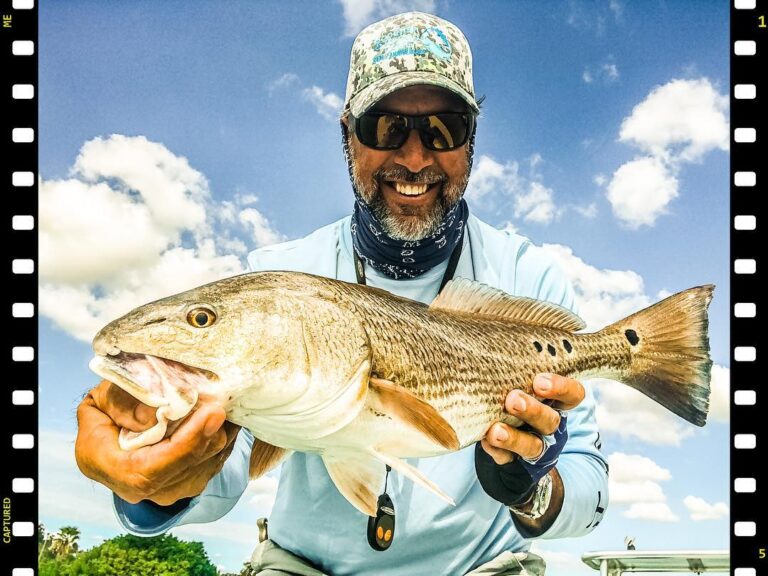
x,y
365,378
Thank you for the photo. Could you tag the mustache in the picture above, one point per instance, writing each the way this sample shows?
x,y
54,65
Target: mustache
x,y
427,176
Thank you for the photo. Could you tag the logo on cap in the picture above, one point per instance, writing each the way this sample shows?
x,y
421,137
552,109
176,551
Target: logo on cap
x,y
409,41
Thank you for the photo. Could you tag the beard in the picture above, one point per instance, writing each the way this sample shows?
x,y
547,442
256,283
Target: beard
x,y
409,223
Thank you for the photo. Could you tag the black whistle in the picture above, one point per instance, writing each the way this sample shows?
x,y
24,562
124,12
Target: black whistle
x,y
381,528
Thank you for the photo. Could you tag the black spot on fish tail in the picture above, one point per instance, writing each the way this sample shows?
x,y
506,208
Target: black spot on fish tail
x,y
551,349
567,346
632,337
538,347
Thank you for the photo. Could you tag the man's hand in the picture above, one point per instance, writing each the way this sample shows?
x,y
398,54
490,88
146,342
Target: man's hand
x,y
512,460
179,466
503,442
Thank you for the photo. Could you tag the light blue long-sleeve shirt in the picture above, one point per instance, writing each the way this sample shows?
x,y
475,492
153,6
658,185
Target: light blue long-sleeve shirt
x,y
310,517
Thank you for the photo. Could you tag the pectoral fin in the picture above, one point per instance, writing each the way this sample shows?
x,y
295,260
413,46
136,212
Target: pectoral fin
x,y
358,476
413,473
401,404
264,457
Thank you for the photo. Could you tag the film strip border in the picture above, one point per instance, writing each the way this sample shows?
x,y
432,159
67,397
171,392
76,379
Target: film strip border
x,y
18,490
749,44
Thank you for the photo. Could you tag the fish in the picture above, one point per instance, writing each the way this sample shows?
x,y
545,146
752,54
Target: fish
x,y
366,379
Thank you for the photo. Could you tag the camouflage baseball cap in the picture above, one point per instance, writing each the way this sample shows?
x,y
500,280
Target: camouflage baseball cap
x,y
404,50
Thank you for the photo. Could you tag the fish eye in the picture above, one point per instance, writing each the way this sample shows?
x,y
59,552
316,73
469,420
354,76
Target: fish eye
x,y
201,317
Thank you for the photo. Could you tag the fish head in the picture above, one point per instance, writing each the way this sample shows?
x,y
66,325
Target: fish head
x,y
210,343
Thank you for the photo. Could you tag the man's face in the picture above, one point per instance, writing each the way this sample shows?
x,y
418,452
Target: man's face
x,y
410,189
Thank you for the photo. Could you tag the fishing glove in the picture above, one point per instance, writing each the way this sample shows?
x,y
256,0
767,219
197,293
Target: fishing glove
x,y
513,483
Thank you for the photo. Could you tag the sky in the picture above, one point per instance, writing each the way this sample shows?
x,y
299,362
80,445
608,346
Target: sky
x,y
177,136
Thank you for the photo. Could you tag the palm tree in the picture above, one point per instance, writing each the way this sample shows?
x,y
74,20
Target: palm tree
x,y
64,542
71,534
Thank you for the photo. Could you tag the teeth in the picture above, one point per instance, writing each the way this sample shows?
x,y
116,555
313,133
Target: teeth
x,y
114,351
411,189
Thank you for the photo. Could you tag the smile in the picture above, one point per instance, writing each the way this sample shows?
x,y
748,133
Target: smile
x,y
410,189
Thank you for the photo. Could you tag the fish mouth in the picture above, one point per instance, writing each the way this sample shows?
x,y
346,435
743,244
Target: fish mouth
x,y
154,380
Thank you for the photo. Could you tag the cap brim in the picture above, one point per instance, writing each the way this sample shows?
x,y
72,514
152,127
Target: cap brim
x,y
368,96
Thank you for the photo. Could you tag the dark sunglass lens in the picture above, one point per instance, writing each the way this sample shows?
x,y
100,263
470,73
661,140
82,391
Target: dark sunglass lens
x,y
444,131
384,131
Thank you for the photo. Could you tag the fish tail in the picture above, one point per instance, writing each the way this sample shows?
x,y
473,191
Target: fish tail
x,y
669,352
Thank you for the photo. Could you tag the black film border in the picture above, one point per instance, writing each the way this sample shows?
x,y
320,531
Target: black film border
x,y
19,133
749,43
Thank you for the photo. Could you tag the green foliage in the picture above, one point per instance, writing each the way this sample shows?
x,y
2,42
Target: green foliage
x,y
129,555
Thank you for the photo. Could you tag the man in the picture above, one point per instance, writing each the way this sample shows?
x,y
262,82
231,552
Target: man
x,y
408,127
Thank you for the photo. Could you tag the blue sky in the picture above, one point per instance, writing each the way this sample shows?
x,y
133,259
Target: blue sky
x,y
603,136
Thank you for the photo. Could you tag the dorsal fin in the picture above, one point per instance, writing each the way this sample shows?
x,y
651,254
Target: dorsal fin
x,y
465,295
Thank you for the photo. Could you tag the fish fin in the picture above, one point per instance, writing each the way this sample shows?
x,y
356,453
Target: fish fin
x,y
403,405
413,473
463,295
264,457
358,476
669,347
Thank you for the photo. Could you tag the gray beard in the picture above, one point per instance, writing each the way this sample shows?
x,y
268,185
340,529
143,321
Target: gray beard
x,y
409,227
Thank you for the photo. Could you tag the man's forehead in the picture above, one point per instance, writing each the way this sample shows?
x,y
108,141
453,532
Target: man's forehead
x,y
424,94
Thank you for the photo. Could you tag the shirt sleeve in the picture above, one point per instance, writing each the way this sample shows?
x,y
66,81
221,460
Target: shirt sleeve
x,y
220,495
582,466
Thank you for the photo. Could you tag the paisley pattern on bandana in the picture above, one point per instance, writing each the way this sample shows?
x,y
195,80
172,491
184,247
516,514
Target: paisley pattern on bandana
x,y
405,258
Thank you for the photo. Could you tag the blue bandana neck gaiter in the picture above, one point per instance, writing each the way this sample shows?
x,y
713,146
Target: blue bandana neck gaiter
x,y
405,258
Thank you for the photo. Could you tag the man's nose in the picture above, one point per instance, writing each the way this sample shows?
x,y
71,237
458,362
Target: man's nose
x,y
413,155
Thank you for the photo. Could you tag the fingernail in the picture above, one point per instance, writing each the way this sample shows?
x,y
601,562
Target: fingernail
x,y
501,435
518,404
544,382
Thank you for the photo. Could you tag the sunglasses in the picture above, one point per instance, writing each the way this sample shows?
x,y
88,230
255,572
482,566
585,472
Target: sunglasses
x,y
389,131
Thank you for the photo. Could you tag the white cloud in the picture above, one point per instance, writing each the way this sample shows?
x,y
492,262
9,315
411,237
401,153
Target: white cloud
x,y
683,119
327,104
359,13
600,179
653,511
627,413
702,510
285,81
536,205
617,8
490,177
610,72
635,468
261,230
640,191
635,480
133,223
593,17
603,296
260,493
493,183
677,123
606,72
589,211
632,492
